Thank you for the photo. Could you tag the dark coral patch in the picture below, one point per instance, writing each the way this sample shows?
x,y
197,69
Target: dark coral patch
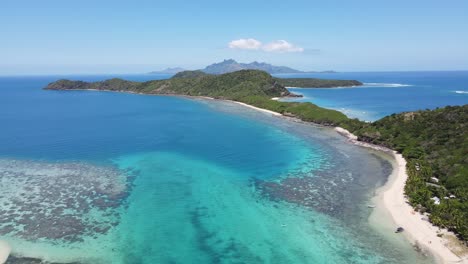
x,y
60,201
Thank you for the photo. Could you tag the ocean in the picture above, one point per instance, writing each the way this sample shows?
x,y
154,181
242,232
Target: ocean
x,y
386,93
101,177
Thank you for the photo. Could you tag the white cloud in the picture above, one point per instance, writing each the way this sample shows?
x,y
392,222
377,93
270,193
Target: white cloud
x,y
246,44
281,46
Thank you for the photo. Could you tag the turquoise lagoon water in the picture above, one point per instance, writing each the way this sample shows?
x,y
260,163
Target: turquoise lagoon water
x,y
99,177
385,93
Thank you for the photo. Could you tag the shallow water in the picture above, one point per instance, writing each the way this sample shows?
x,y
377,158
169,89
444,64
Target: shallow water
x,y
386,93
150,179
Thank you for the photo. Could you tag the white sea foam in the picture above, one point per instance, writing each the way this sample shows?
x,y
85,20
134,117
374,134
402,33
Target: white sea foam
x,y
338,87
461,92
386,85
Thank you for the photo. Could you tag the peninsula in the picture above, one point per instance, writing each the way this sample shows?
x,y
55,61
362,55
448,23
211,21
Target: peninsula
x,y
433,142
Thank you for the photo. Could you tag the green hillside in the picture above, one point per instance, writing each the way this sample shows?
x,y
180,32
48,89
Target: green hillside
x,y
249,86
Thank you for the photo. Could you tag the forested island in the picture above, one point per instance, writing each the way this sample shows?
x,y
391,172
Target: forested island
x,y
434,142
248,86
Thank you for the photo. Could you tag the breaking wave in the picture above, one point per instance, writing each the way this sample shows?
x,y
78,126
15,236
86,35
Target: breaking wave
x,y
461,92
386,85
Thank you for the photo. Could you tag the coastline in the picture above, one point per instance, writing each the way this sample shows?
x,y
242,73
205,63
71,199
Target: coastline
x,y
390,198
417,230
392,202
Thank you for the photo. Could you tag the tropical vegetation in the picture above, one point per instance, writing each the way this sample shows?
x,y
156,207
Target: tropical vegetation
x,y
435,145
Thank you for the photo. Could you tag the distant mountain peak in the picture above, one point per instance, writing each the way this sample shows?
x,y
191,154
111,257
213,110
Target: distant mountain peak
x,y
229,61
231,65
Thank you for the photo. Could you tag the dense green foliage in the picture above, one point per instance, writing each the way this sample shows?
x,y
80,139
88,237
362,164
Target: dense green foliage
x,y
111,85
231,86
317,83
435,144
304,111
189,74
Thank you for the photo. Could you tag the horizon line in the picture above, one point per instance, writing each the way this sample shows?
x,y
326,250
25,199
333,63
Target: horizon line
x,y
149,72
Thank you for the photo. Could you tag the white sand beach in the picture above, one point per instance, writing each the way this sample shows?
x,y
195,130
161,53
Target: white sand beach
x,y
417,230
257,108
391,198
5,250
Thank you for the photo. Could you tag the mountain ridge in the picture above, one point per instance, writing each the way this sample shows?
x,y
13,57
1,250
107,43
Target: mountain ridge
x,y
231,65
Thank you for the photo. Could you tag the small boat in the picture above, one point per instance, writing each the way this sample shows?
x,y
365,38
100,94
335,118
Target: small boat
x,y
371,206
399,230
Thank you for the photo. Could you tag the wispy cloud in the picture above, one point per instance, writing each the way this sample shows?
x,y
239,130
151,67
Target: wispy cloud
x,y
279,46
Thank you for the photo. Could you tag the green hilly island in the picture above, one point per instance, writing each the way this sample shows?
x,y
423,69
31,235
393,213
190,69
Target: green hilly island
x,y
248,86
434,142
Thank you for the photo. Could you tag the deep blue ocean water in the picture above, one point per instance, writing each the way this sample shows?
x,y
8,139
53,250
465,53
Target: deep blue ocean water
x,y
101,177
385,93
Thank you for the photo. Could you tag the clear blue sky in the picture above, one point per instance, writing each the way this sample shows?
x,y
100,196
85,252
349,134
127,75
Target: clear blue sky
x,y
60,36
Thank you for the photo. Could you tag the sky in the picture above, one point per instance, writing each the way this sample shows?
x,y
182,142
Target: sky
x,y
67,37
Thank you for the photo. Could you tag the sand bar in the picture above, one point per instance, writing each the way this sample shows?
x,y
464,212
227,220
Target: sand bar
x,y
257,108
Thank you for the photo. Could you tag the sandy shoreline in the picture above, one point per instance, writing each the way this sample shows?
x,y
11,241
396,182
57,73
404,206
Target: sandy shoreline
x,y
256,108
5,250
392,199
417,230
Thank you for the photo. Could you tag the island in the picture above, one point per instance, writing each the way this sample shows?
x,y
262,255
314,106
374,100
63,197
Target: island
x,y
168,71
434,143
252,87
